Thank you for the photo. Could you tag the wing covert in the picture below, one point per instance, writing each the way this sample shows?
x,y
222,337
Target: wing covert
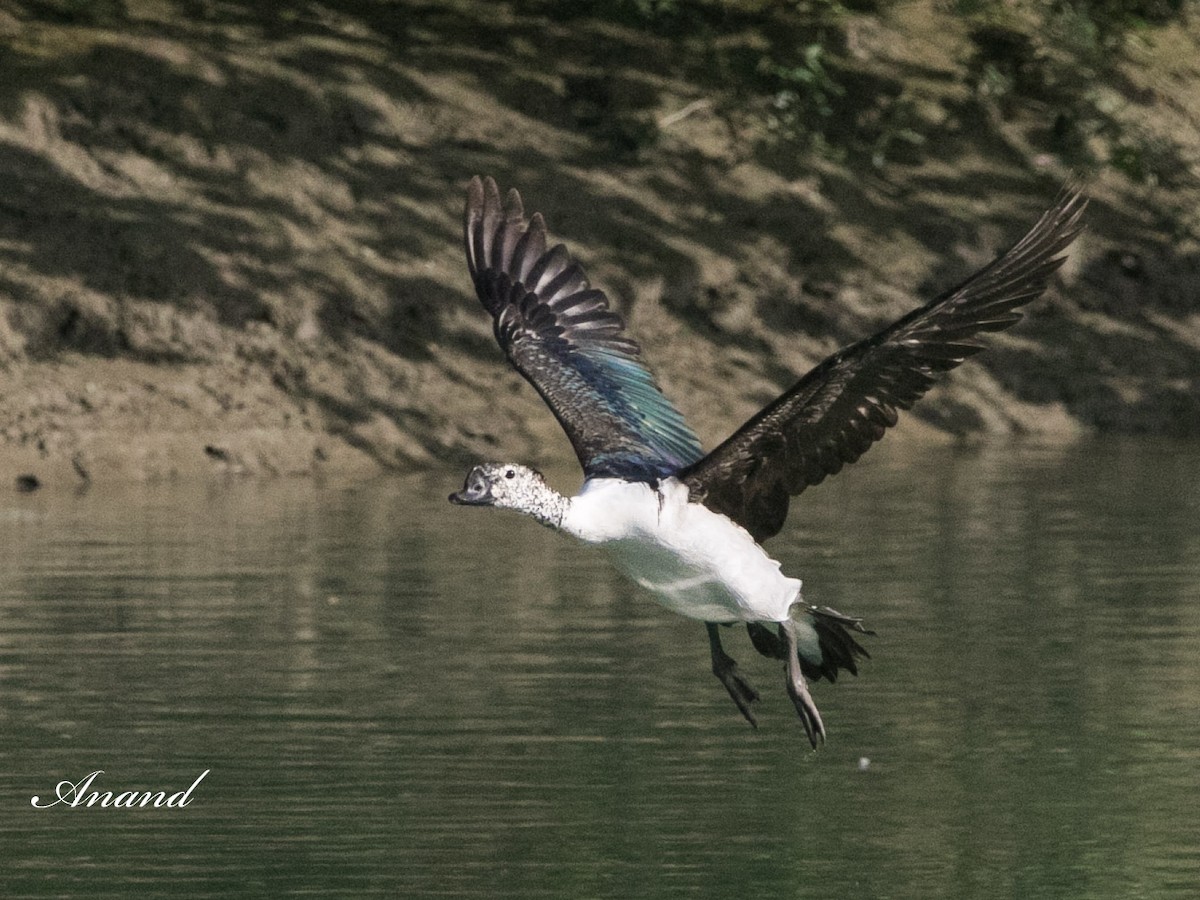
x,y
561,335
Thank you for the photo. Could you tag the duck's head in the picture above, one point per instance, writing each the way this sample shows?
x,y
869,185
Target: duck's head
x,y
503,485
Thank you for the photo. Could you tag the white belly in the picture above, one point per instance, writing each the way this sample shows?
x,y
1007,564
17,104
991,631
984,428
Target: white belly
x,y
695,562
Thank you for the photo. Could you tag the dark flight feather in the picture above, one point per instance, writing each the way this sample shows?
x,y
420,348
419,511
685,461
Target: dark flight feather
x,y
844,405
560,334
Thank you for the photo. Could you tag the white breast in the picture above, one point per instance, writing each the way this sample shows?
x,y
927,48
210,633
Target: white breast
x,y
696,562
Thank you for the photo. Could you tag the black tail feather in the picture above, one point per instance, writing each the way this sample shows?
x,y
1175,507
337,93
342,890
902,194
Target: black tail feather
x,y
839,649
765,640
838,646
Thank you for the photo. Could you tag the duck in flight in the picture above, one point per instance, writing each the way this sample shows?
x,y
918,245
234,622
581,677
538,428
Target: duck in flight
x,y
686,525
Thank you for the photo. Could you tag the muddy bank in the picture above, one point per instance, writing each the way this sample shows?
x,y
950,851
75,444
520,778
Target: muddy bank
x,y
229,236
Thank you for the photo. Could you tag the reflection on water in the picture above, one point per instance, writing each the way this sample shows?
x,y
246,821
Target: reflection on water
x,y
397,697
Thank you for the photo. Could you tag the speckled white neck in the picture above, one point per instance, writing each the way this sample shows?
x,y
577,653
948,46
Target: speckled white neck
x,y
545,504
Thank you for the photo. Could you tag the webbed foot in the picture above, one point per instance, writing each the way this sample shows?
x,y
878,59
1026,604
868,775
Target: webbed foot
x,y
726,670
797,688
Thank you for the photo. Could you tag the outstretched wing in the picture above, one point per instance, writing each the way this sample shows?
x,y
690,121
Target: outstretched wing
x,y
839,409
559,333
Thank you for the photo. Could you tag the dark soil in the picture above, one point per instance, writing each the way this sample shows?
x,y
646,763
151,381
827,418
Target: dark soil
x,y
230,233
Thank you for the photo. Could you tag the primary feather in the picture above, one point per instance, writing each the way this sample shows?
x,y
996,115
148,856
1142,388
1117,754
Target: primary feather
x,y
839,409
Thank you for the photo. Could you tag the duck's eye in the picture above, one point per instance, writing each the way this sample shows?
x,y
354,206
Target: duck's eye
x,y
510,474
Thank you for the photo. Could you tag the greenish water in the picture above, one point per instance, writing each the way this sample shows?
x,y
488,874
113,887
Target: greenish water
x,y
397,697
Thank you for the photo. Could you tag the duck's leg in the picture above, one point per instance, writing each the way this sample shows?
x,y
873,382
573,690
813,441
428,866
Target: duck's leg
x,y
725,669
798,688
